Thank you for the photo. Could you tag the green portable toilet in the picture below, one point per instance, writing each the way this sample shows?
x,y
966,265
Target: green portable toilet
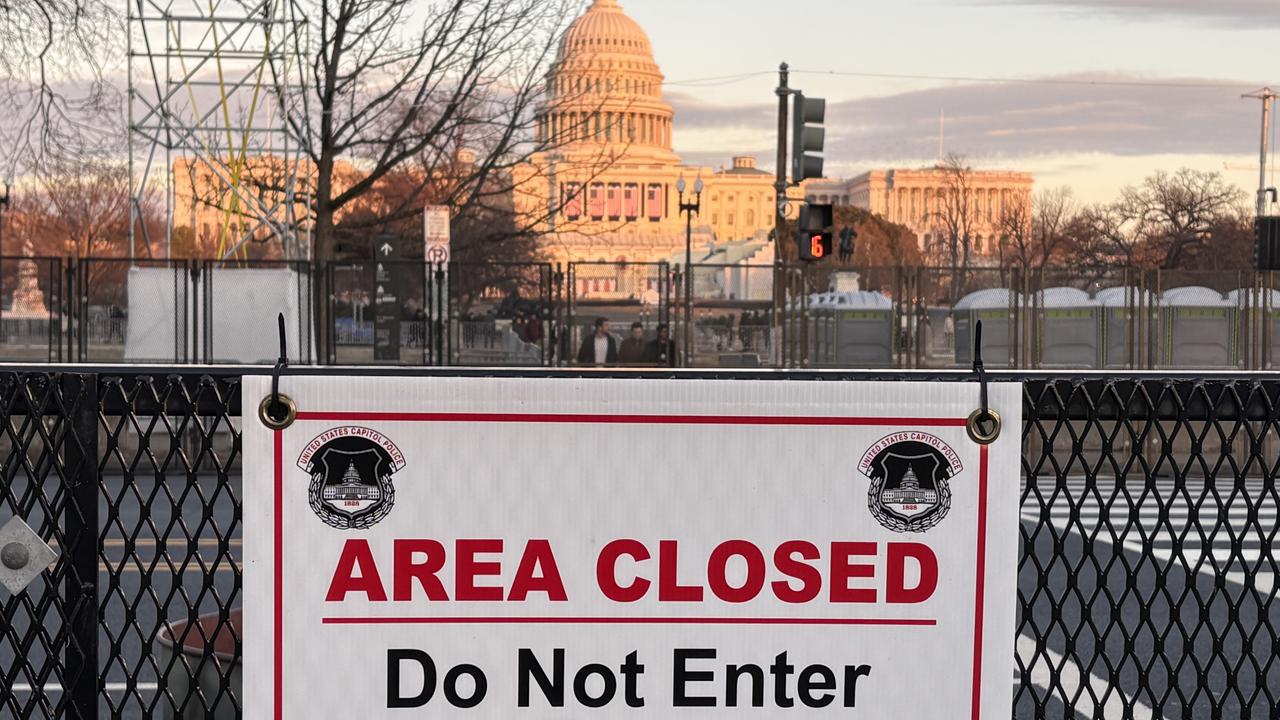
x,y
1257,324
1069,335
852,329
1199,328
1122,307
997,309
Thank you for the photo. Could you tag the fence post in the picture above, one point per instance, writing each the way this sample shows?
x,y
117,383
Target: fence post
x,y
80,530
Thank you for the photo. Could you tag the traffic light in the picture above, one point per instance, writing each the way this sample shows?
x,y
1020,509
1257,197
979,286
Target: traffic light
x,y
816,217
813,240
808,137
1267,243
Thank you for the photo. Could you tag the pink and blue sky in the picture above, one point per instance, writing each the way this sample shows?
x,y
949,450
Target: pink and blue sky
x,y
1093,137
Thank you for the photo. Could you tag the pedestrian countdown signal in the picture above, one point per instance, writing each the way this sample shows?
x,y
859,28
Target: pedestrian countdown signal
x,y
815,246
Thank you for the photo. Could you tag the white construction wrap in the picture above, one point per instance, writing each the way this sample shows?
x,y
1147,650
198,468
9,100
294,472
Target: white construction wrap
x,y
604,548
243,303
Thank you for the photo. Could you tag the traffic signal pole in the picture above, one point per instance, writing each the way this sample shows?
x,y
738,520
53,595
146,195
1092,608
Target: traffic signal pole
x,y
780,215
780,183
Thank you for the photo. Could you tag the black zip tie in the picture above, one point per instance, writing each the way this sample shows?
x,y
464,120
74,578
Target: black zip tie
x,y
977,368
283,361
278,411
983,424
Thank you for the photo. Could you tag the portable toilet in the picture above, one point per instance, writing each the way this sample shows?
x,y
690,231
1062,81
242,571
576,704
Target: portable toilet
x,y
1199,328
997,309
1121,310
1068,330
853,329
1257,326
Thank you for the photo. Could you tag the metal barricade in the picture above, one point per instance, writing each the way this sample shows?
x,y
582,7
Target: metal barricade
x,y
1147,576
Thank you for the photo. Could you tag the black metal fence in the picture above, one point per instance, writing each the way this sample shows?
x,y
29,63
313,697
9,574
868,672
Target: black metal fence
x,y
1147,580
720,316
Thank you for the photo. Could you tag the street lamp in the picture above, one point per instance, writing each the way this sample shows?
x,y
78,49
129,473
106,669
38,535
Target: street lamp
x,y
689,209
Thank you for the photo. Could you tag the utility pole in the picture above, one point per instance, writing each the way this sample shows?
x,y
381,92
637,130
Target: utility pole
x,y
1266,95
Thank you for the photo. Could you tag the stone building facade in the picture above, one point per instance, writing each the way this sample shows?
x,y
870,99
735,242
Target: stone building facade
x,y
916,198
607,189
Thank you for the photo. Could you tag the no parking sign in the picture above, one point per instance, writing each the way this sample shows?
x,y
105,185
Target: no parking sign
x,y
536,547
436,234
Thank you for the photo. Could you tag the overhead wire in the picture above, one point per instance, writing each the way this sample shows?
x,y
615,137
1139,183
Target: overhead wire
x,y
717,80
1174,84
1083,82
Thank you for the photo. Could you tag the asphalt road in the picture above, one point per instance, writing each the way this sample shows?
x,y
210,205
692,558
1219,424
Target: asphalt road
x,y
155,566
1157,606
1162,605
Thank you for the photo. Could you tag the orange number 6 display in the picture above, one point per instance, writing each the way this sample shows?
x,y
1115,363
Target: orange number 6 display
x,y
815,246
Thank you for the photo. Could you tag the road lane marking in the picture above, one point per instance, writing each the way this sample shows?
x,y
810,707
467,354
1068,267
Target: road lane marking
x,y
1071,678
107,687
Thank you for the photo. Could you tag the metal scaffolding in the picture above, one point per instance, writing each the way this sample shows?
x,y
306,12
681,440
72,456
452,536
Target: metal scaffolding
x,y
213,85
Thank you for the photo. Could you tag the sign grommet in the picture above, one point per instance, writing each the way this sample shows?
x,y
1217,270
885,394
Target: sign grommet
x,y
983,426
265,409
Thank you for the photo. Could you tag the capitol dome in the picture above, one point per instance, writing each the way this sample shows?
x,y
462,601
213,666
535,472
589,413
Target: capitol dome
x,y
604,27
605,88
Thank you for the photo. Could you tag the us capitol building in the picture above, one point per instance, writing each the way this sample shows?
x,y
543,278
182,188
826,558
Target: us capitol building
x,y
611,174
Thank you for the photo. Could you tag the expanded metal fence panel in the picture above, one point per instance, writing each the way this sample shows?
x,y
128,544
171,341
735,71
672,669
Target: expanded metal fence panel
x,y
169,547
1148,578
1147,574
48,634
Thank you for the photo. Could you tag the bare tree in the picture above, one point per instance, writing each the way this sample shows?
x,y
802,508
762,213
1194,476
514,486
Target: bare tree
x,y
955,215
1174,214
1034,236
84,206
1169,221
52,86
396,84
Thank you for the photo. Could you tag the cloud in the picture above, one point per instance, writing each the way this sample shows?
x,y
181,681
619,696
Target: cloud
x,y
994,121
1235,13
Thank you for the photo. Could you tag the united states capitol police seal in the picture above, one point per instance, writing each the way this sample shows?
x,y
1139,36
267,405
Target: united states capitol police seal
x,y
351,469
910,473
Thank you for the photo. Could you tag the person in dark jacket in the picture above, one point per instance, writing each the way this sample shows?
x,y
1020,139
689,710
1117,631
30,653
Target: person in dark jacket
x,y
599,348
662,349
634,349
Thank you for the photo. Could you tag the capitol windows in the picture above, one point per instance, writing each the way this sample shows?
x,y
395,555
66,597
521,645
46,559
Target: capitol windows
x,y
715,218
613,204
655,202
595,201
751,217
631,201
729,218
572,201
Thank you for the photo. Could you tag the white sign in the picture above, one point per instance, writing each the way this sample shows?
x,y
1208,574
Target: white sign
x,y
574,548
435,232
